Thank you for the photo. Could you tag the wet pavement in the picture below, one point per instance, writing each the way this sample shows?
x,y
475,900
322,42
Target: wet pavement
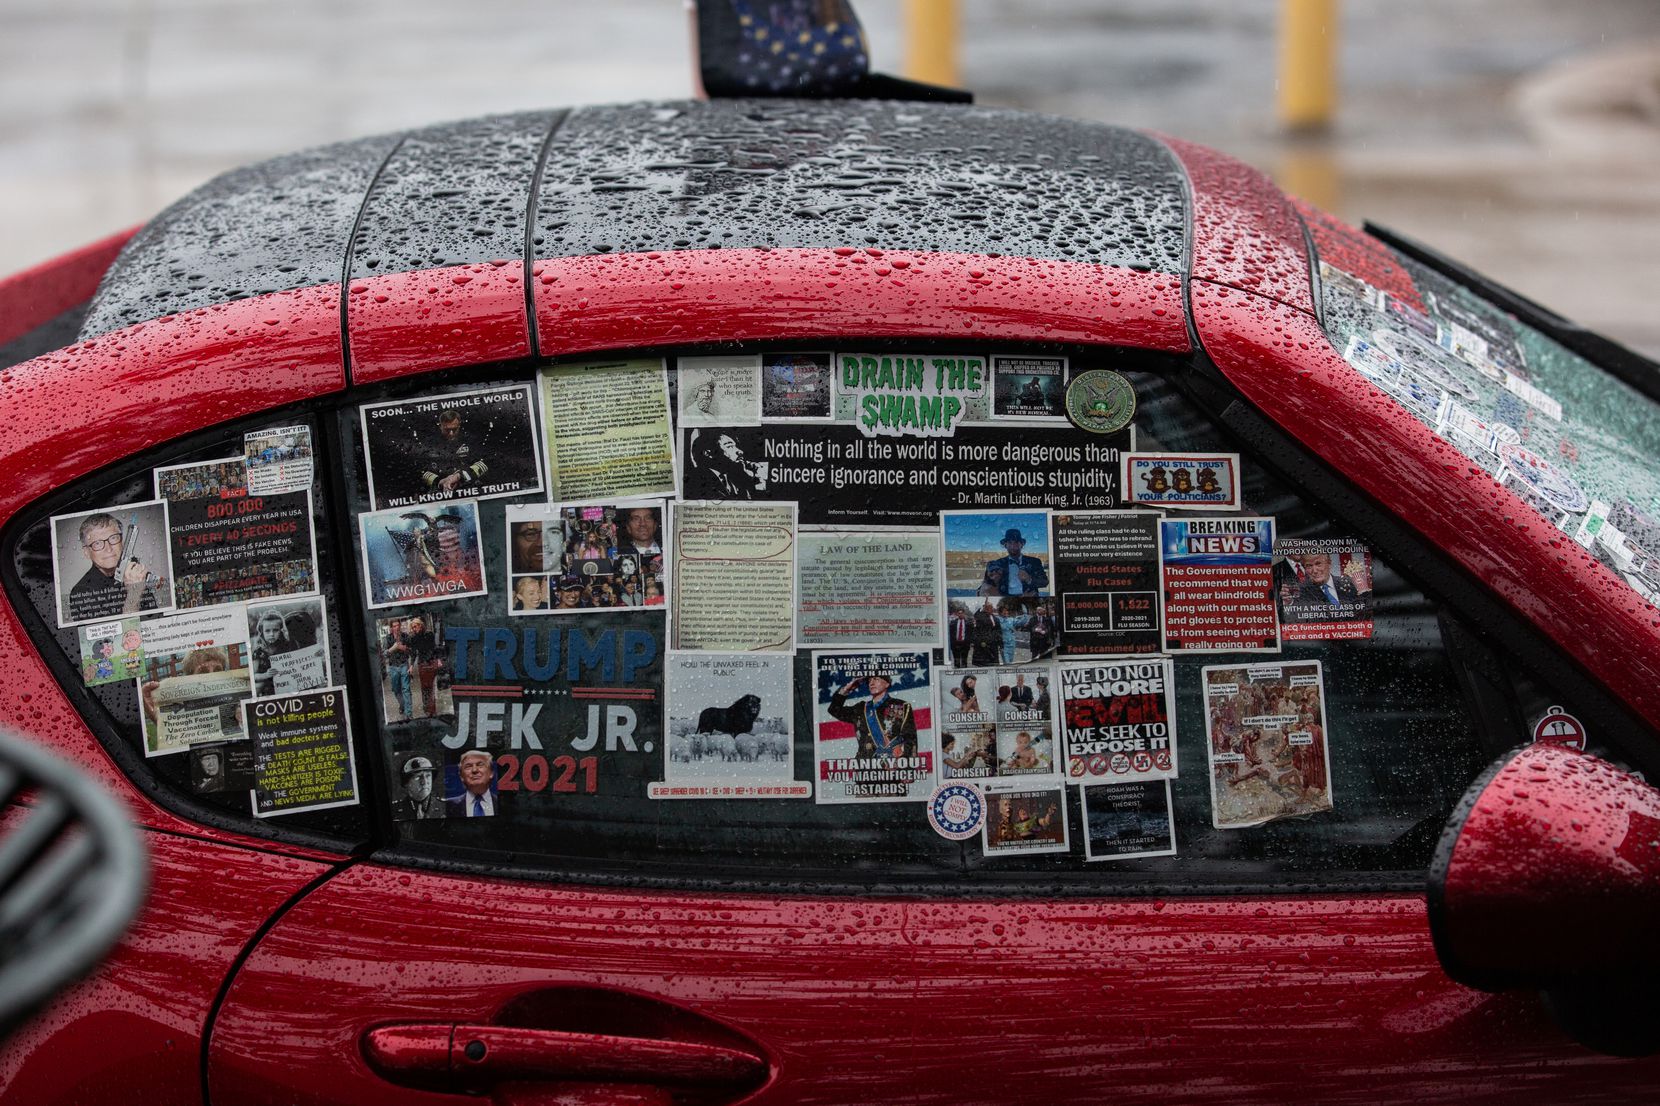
x,y
1520,136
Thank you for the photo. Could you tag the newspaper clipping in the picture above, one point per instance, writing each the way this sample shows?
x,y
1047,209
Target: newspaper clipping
x,y
1266,727
415,556
463,445
228,546
875,589
1218,577
111,562
1023,817
1124,821
1324,589
874,739
1107,582
302,747
607,430
195,678
731,725
733,577
1120,720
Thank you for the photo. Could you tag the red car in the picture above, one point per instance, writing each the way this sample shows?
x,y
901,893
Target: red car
x,y
450,789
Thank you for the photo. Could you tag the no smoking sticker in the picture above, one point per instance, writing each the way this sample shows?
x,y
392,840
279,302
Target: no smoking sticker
x,y
1558,727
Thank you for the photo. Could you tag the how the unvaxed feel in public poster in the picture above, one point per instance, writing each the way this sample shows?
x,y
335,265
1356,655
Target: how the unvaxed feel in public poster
x,y
302,748
730,728
1266,728
195,678
230,546
874,728
1120,719
463,445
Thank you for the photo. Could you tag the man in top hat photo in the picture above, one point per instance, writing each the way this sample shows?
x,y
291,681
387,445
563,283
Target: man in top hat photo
x,y
1015,574
884,724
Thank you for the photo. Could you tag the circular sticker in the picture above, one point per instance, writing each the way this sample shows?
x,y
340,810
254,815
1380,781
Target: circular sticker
x,y
956,811
1547,481
1424,358
1100,401
1558,727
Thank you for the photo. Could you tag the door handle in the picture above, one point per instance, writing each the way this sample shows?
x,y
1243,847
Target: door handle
x,y
484,1054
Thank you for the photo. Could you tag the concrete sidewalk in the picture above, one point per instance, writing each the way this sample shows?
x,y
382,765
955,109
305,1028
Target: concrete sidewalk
x,y
1521,136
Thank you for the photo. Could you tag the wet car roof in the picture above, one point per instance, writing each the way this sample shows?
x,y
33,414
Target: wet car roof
x,y
637,178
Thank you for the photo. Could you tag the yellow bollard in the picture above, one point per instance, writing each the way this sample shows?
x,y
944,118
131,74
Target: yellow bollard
x,y
932,28
1308,64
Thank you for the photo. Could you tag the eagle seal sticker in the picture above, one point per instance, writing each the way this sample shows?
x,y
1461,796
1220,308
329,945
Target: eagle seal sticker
x,y
956,811
1100,401
1187,481
1558,727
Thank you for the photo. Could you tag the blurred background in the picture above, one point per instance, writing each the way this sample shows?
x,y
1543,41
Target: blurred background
x,y
1520,136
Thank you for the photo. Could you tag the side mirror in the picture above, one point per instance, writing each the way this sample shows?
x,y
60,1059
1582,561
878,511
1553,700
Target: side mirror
x,y
1548,877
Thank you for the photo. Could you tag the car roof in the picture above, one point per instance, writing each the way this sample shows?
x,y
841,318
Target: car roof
x,y
690,175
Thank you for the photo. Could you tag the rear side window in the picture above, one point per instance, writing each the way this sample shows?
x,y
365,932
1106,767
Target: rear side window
x,y
754,616
189,604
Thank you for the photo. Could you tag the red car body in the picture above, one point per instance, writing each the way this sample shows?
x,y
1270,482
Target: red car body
x,y
257,970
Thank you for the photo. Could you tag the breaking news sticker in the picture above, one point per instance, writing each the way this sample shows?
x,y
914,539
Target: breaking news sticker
x,y
956,811
1558,727
1100,401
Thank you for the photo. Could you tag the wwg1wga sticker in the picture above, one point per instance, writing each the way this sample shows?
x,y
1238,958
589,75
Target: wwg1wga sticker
x,y
956,811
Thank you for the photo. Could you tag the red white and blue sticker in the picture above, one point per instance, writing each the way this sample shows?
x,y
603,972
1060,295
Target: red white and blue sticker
x,y
1544,479
956,811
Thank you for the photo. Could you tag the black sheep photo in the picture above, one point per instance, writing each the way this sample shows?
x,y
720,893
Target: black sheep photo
x,y
730,726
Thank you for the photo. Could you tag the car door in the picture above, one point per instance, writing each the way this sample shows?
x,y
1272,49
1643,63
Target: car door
x,y
572,938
